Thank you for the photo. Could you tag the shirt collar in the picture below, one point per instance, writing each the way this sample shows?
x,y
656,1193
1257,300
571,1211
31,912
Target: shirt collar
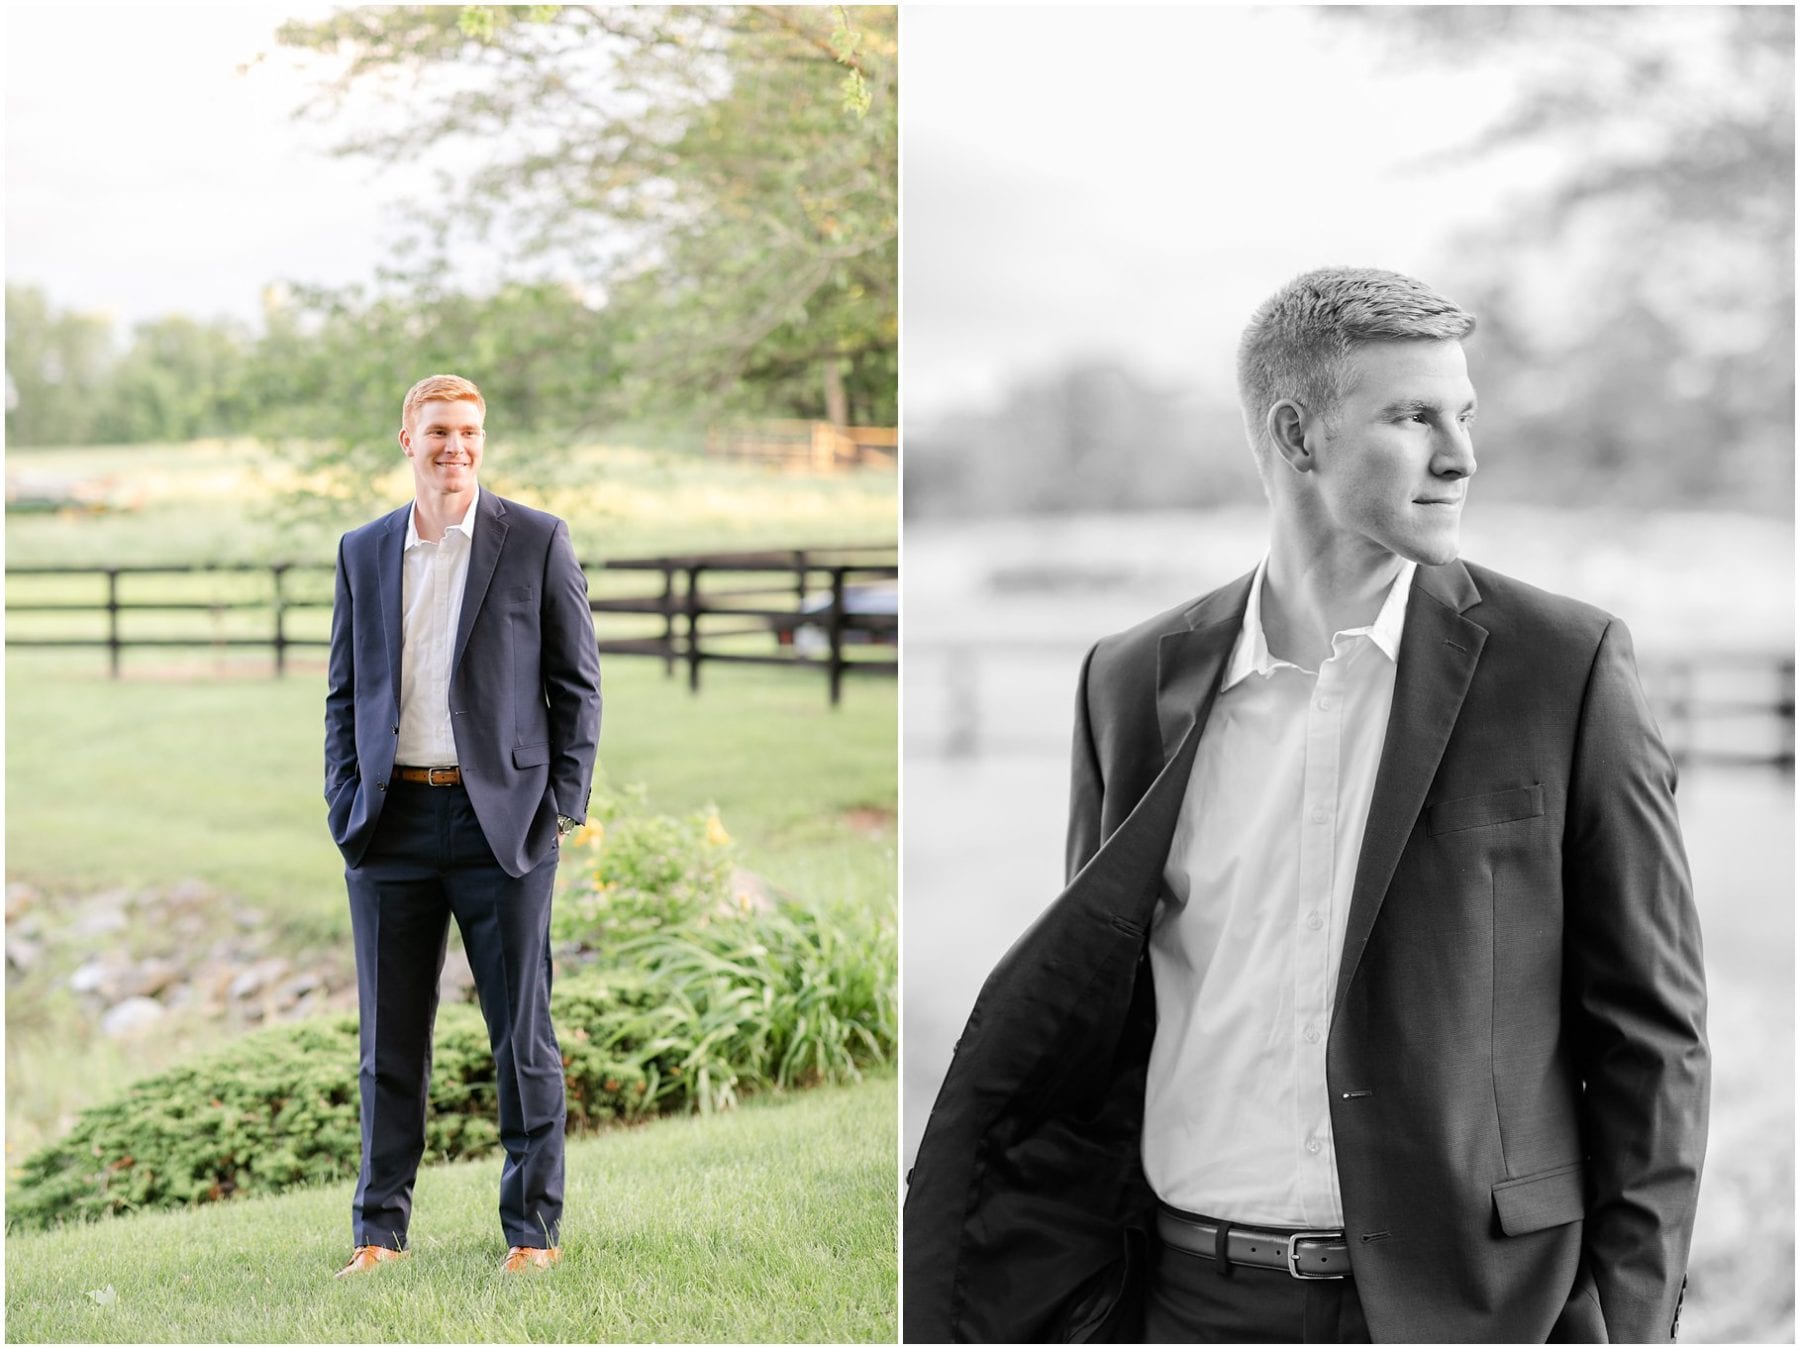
x,y
1250,654
466,524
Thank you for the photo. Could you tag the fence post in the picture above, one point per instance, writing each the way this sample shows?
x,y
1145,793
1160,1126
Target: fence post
x,y
277,571
668,603
693,627
112,618
1784,709
799,578
836,667
962,718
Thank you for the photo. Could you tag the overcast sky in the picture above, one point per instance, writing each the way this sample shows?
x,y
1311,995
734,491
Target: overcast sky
x,y
1131,182
145,175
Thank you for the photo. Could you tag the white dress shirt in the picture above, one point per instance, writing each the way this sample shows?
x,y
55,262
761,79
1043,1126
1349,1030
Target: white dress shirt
x,y
1245,945
435,576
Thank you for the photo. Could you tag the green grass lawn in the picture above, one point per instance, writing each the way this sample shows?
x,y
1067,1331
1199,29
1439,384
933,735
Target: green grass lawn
x,y
774,1223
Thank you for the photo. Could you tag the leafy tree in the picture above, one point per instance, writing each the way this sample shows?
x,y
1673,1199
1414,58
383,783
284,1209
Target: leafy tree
x,y
724,177
327,378
1637,305
56,363
179,379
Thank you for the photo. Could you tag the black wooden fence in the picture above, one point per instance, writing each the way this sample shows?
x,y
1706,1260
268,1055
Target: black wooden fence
x,y
828,610
975,697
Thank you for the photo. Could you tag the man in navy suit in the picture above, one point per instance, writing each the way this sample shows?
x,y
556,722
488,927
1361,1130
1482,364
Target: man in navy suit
x,y
462,715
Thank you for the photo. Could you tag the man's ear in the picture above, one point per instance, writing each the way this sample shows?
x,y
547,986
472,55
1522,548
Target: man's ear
x,y
1287,429
406,441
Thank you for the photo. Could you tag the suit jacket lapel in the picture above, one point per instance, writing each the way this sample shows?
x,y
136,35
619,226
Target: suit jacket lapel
x,y
1189,662
1438,653
484,557
390,573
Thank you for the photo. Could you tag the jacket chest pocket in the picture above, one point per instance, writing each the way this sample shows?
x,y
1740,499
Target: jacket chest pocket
x,y
1476,812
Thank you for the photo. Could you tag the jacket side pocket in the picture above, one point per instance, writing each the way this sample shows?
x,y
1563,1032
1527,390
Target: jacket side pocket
x,y
1547,1199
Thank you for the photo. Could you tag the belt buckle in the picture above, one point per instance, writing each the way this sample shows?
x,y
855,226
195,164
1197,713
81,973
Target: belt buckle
x,y
431,778
1293,1254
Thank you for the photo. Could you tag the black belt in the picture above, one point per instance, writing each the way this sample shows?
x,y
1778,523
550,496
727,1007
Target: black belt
x,y
431,777
1302,1252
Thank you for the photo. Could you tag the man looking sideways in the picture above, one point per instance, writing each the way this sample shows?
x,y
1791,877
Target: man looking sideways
x,y
462,715
1374,1007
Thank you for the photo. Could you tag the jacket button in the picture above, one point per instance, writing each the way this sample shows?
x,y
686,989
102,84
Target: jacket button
x,y
396,729
381,786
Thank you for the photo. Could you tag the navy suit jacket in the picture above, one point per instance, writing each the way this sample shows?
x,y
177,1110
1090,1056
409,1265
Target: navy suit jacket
x,y
524,681
1517,1061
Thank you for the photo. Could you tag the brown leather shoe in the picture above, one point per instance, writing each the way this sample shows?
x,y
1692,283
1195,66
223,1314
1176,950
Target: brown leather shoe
x,y
367,1257
522,1258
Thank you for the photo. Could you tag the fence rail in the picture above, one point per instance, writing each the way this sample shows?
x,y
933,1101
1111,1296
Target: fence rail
x,y
828,610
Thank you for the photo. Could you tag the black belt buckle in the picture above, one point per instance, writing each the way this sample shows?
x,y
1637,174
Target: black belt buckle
x,y
1293,1253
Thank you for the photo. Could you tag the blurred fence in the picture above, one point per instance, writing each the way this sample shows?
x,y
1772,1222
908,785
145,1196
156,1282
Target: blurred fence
x,y
966,699
831,611
818,446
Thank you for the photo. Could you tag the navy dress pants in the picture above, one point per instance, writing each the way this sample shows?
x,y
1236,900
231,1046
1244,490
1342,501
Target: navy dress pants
x,y
428,862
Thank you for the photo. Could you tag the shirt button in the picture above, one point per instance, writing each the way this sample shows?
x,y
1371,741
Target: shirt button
x,y
1312,1034
1319,815
1314,921
1312,1145
1324,704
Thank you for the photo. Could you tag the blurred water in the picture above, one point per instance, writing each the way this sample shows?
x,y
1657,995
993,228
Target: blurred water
x,y
998,616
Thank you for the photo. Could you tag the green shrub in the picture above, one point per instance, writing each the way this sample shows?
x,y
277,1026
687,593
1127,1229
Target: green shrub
x,y
632,872
705,1002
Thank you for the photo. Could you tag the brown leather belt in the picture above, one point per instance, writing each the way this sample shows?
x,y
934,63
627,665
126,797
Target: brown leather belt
x,y
431,777
1303,1253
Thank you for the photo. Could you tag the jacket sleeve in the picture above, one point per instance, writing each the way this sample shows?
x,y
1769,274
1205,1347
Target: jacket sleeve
x,y
1086,789
1637,995
340,687
571,672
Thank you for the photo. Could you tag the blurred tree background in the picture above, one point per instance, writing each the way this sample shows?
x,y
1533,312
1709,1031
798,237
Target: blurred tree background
x,y
680,215
1636,309
1635,301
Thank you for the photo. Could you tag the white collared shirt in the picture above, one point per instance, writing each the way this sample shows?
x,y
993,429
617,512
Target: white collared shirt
x,y
1245,945
435,576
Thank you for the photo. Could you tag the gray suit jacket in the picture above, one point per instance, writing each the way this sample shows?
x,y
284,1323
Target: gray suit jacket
x,y
524,681
1517,1064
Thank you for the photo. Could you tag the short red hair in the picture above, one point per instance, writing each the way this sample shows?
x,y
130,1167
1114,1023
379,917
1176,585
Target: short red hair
x,y
439,389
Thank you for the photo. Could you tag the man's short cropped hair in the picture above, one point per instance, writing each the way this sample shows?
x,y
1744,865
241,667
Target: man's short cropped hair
x,y
1298,342
439,389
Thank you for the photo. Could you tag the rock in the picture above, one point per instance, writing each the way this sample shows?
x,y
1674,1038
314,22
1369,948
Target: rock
x,y
100,915
152,976
19,897
22,953
188,894
257,977
90,976
300,987
130,1017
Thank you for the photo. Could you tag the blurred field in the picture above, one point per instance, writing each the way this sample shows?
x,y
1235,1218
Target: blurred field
x,y
217,501
999,615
